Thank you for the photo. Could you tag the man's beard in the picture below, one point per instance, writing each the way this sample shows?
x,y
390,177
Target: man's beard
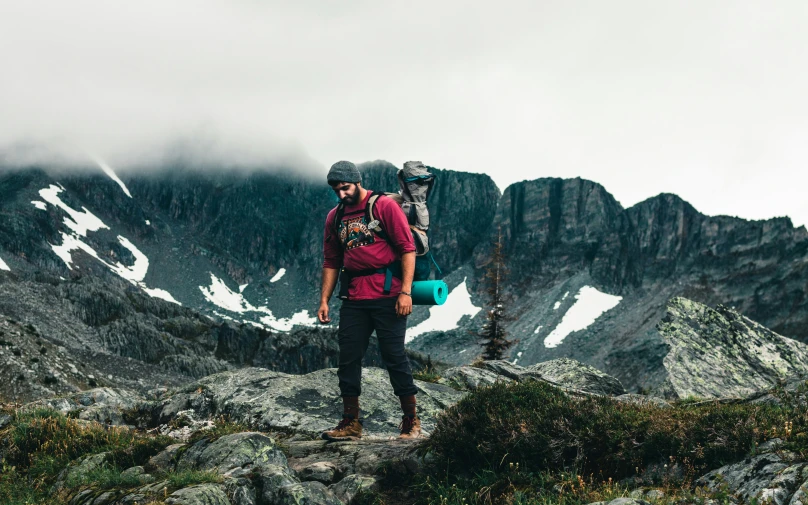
x,y
351,200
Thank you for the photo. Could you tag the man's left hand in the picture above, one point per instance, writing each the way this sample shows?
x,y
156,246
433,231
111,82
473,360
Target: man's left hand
x,y
403,305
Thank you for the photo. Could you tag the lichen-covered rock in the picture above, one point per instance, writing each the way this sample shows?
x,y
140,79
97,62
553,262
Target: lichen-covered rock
x,y
104,405
509,370
564,372
308,404
348,488
238,450
164,461
766,478
139,473
279,486
575,375
81,469
321,471
469,378
365,457
720,353
201,494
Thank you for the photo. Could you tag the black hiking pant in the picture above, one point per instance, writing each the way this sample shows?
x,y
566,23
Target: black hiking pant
x,y
357,320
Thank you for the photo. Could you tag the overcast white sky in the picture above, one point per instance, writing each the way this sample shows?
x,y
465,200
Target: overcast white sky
x,y
706,99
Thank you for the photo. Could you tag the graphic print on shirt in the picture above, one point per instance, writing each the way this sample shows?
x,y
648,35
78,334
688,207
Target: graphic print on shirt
x,y
355,233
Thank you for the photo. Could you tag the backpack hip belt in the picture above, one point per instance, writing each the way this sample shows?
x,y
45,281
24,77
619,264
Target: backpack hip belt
x,y
389,271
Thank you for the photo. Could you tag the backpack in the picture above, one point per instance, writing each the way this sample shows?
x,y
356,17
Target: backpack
x,y
416,185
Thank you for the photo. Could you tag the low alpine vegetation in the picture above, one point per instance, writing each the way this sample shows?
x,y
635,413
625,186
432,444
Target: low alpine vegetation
x,y
531,443
36,446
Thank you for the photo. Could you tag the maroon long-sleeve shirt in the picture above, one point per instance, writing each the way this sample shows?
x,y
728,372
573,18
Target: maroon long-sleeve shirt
x,y
358,248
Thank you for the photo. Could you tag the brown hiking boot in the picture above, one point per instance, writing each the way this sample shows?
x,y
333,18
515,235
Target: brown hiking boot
x,y
410,427
348,428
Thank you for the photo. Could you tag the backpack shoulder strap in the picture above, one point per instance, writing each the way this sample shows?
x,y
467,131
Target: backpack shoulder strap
x,y
369,217
337,218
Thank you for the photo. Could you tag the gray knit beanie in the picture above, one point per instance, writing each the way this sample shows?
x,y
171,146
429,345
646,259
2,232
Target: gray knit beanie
x,y
344,171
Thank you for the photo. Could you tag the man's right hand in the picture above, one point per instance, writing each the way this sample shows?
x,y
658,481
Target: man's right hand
x,y
322,314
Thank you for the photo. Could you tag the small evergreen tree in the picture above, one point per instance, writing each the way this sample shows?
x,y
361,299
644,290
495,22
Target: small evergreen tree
x,y
493,333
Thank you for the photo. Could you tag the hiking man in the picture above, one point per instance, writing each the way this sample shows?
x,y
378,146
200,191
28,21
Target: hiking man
x,y
378,257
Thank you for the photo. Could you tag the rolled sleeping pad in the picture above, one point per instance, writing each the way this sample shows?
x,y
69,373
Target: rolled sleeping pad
x,y
429,292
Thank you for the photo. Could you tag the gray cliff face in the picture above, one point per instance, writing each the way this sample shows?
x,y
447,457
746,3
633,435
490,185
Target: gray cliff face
x,y
555,227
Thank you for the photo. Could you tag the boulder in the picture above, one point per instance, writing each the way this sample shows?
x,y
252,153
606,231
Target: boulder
x,y
80,469
469,378
164,461
719,353
104,405
509,370
201,494
765,478
321,471
349,488
572,374
563,372
280,487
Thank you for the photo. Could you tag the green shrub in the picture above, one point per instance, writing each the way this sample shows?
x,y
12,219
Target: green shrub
x,y
538,426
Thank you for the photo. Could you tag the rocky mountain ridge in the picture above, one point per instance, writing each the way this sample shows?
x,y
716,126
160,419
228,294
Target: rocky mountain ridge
x,y
245,247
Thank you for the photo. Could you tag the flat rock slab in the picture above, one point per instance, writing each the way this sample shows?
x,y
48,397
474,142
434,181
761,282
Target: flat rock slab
x,y
363,457
308,404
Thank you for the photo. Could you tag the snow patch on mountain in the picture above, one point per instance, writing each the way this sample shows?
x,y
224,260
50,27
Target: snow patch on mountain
x,y
40,204
137,272
538,328
112,175
3,265
301,318
242,287
219,294
69,244
589,305
159,293
79,222
222,296
446,317
278,275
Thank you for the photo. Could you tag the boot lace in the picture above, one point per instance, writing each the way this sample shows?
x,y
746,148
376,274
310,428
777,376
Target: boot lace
x,y
344,423
406,424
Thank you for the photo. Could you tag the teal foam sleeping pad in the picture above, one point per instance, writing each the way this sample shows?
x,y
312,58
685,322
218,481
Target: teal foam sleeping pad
x,y
429,292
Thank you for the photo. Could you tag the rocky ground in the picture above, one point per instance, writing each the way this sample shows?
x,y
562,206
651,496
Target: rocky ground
x,y
277,456
284,462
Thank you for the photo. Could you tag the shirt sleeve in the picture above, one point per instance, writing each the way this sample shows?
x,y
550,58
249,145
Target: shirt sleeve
x,y
395,224
332,250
